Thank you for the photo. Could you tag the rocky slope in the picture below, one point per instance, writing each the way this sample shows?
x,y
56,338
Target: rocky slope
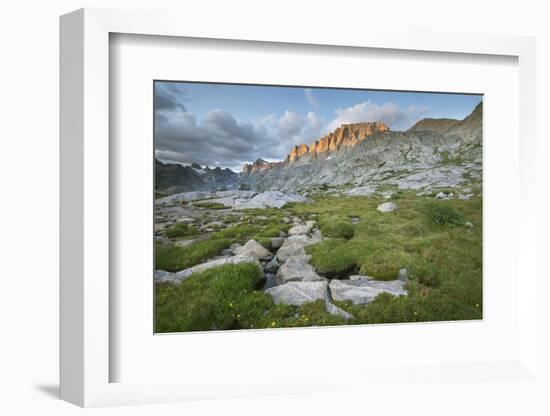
x,y
432,154
172,178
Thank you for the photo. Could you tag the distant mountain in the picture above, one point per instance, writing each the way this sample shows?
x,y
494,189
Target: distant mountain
x,y
437,125
433,153
173,177
467,128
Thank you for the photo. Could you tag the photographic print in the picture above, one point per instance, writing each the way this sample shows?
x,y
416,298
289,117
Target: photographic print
x,y
292,206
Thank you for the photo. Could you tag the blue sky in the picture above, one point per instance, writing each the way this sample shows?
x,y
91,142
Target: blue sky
x,y
227,125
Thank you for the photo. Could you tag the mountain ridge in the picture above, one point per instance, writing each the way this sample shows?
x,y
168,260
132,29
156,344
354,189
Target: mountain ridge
x,y
433,153
347,135
174,177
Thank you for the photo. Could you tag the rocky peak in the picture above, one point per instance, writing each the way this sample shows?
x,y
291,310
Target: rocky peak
x,y
297,152
347,135
259,164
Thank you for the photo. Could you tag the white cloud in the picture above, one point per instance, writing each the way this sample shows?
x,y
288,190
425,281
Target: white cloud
x,y
390,113
290,124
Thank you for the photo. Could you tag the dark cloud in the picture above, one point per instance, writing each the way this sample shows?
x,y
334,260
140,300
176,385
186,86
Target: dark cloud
x,y
218,140
222,140
169,96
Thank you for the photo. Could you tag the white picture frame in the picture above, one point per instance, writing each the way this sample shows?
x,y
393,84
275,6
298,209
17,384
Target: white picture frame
x,y
85,211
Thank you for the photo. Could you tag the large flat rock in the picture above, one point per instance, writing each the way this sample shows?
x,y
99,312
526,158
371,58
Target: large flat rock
x,y
364,291
297,268
184,196
298,293
269,199
361,191
184,274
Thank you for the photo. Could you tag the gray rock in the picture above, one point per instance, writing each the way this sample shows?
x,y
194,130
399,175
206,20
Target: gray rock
x,y
297,268
227,202
335,310
315,237
360,277
215,224
277,242
162,239
286,220
301,228
184,243
234,193
298,293
187,220
162,276
361,191
403,275
288,249
270,199
184,197
364,291
443,195
387,207
184,274
254,249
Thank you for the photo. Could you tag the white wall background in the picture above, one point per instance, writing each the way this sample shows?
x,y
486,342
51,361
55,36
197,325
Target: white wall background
x,y
29,207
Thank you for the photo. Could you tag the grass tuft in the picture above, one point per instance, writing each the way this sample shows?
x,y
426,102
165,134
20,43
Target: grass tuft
x,y
181,229
335,228
331,258
442,213
210,205
174,258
